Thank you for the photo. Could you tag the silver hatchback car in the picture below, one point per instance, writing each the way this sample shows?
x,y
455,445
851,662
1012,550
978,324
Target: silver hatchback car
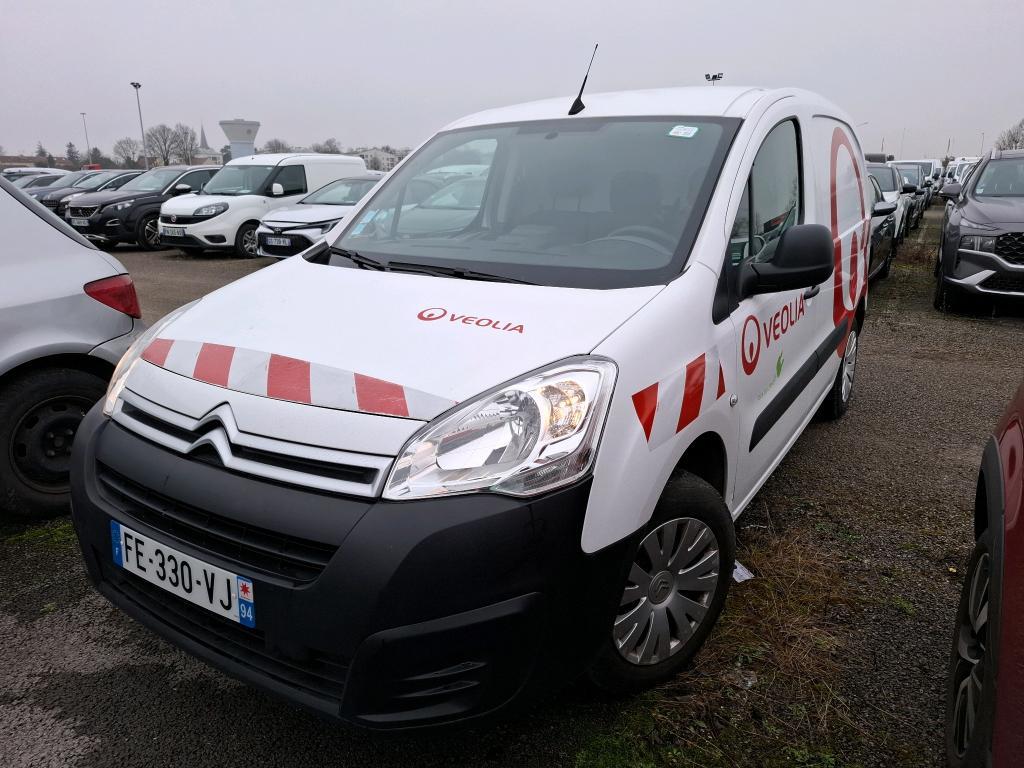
x,y
68,312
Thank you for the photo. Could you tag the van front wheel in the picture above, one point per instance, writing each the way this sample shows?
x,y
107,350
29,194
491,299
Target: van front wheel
x,y
245,241
674,588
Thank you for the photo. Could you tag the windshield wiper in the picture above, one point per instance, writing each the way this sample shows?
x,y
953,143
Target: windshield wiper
x,y
363,262
462,274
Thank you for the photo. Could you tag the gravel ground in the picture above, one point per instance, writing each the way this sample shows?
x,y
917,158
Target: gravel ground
x,y
884,496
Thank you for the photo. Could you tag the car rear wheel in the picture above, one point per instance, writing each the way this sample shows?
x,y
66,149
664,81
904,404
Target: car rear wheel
x,y
39,415
147,233
837,402
674,588
971,679
246,245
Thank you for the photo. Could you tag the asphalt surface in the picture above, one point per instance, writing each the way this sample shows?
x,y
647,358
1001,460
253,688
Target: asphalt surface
x,y
886,492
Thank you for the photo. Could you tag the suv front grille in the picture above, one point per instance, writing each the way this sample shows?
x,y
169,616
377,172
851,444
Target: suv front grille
x,y
319,674
251,548
1003,284
49,203
83,212
1010,247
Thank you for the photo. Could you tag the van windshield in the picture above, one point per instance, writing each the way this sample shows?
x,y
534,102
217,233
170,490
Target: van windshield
x,y
584,202
884,176
238,180
911,174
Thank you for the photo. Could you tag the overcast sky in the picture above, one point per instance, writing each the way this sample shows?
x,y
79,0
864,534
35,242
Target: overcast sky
x,y
389,72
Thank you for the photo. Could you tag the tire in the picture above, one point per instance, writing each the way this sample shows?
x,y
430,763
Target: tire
x,y
690,517
245,241
946,298
39,414
970,680
837,402
147,233
887,266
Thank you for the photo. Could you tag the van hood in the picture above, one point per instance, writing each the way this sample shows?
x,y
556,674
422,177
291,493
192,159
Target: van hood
x,y
306,214
186,204
382,342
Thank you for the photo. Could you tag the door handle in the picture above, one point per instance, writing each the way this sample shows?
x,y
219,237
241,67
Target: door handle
x,y
813,291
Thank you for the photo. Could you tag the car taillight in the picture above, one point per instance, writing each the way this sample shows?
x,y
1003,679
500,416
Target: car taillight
x,y
117,292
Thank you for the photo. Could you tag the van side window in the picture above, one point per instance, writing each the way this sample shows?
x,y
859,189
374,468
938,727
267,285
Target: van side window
x,y
771,200
292,178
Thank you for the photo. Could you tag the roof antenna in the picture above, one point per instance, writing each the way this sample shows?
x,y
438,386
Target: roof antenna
x,y
578,105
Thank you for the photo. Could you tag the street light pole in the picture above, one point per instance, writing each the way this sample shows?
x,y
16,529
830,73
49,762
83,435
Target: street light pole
x,y
88,146
982,151
142,131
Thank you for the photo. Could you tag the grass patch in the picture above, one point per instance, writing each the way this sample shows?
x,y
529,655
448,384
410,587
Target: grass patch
x,y
904,606
59,534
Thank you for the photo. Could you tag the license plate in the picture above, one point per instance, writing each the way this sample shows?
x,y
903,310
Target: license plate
x,y
279,241
79,222
172,231
218,591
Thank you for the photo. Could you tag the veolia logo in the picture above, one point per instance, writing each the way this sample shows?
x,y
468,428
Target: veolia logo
x,y
439,313
751,344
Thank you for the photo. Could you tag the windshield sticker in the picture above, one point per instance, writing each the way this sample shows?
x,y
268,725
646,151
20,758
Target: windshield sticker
x,y
366,219
684,131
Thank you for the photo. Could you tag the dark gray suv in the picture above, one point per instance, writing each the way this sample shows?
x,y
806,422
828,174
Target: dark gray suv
x,y
982,247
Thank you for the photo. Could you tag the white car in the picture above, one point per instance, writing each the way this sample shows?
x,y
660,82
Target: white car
x,y
293,228
227,212
414,473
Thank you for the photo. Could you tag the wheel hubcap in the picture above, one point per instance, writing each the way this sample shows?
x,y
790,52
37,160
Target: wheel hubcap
x,y
249,242
41,445
670,586
972,643
849,365
151,232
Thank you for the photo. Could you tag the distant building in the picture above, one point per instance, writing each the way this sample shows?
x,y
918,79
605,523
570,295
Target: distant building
x,y
380,158
205,155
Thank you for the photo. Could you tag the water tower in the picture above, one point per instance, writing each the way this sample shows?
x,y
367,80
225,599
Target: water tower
x,y
242,136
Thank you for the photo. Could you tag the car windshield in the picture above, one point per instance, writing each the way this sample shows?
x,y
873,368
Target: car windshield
x,y
1001,178
884,176
340,192
911,174
24,181
591,202
96,180
70,179
238,180
152,181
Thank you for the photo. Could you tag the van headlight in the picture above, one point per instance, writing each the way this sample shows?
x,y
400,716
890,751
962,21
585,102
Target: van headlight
x,y
525,437
209,211
131,358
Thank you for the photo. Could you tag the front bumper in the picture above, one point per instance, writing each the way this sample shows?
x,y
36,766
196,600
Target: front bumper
x,y
212,233
102,227
380,613
986,274
299,240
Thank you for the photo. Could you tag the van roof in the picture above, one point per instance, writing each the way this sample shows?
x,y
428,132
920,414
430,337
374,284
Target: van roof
x,y
294,158
706,101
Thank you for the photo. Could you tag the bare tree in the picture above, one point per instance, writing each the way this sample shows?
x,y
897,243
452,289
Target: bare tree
x,y
327,147
186,144
1012,137
276,145
127,151
160,141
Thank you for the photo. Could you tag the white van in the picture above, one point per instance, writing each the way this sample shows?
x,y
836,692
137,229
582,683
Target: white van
x,y
450,458
227,212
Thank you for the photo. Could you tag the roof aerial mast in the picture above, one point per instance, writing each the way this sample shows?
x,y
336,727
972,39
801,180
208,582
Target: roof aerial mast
x,y
578,105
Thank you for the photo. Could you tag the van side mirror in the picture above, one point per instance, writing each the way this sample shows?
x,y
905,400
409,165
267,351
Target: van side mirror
x,y
276,189
803,258
950,190
181,189
883,208
910,189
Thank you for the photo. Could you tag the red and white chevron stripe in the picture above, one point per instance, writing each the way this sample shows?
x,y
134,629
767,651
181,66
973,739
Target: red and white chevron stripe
x,y
287,378
667,407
